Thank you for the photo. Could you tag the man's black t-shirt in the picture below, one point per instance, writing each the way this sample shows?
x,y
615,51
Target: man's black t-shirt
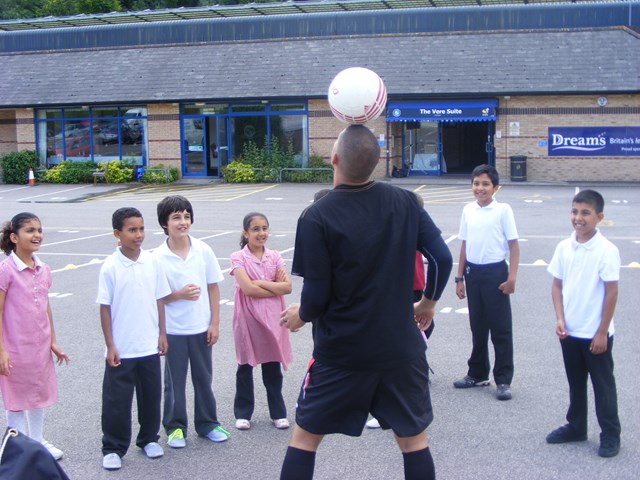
x,y
356,249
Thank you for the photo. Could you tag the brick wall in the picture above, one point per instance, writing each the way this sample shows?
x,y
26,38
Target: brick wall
x,y
324,128
536,114
7,131
164,135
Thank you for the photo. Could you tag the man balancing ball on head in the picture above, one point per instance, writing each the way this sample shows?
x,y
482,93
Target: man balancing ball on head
x,y
356,248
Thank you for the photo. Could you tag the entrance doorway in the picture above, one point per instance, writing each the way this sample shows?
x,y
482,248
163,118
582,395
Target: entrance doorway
x,y
466,145
205,145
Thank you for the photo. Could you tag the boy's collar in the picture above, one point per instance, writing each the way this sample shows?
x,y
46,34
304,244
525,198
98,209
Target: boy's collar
x,y
588,244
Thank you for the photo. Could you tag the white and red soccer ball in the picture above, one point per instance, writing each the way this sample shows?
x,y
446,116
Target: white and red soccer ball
x,y
357,95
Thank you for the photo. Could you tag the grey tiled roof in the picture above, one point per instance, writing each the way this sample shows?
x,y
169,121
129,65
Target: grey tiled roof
x,y
501,63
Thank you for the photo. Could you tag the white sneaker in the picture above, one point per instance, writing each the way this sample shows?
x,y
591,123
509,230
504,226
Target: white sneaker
x,y
373,423
153,450
56,453
281,423
243,424
111,461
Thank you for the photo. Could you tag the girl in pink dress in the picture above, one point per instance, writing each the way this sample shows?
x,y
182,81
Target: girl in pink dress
x,y
27,337
261,282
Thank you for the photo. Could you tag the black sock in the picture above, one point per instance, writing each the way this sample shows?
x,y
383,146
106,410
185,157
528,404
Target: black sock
x,y
419,465
298,464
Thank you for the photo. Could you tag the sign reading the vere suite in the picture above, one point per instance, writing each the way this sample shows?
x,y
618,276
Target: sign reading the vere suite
x,y
594,141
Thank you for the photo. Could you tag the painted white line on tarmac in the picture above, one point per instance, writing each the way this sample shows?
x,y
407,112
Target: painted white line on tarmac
x,y
51,193
77,239
14,189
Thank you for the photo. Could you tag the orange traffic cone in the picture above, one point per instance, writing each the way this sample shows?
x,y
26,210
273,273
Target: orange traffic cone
x,y
31,179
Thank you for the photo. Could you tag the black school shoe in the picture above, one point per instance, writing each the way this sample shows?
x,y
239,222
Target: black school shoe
x,y
609,447
565,434
503,392
468,382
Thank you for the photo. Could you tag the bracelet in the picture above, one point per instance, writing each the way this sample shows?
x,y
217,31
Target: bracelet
x,y
459,279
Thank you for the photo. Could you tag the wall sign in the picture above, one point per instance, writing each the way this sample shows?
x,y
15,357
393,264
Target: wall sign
x,y
593,141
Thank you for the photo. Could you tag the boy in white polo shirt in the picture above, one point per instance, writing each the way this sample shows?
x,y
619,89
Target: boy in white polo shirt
x,y
130,287
586,270
488,233
193,317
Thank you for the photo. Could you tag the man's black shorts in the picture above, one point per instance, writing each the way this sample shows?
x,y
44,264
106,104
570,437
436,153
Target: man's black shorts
x,y
335,400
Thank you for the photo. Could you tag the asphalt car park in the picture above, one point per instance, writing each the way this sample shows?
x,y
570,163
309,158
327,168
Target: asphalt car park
x,y
473,435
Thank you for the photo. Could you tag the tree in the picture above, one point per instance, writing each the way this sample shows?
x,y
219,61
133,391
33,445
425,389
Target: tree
x,y
97,6
57,8
12,9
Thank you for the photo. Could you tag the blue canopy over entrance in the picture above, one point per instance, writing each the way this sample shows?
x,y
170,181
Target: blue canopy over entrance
x,y
443,111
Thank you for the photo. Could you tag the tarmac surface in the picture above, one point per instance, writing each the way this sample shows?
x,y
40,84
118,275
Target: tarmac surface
x,y
473,436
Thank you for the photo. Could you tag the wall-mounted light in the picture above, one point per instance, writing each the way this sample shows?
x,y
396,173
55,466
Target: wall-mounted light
x,y
602,101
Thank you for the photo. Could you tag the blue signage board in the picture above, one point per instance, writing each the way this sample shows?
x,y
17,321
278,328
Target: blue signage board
x,y
593,141
443,111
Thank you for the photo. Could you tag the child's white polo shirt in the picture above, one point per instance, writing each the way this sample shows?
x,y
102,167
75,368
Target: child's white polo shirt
x,y
583,269
487,231
131,289
201,267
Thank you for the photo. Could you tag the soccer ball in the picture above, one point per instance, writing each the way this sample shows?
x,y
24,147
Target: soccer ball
x,y
357,95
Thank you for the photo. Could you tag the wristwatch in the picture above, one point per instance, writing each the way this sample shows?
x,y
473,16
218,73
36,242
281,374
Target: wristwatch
x,y
459,279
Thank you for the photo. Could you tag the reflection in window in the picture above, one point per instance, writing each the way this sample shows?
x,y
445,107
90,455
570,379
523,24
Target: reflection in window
x,y
98,134
248,129
290,130
193,135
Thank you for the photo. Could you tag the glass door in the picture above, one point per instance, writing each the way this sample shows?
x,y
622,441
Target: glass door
x,y
217,144
421,148
193,151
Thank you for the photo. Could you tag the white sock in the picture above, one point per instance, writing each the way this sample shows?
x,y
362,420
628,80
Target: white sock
x,y
35,419
18,421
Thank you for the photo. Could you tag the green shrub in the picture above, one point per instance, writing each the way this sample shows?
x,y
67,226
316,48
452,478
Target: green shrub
x,y
310,176
238,172
156,176
70,172
16,165
117,171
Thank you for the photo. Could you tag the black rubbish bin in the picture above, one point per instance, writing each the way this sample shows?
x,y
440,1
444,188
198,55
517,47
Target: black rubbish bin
x,y
518,168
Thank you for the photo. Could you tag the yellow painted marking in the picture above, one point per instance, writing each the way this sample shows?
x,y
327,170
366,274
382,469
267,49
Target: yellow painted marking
x,y
634,265
70,266
606,223
540,262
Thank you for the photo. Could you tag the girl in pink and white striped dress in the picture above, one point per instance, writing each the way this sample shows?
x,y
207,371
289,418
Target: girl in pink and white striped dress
x,y
261,282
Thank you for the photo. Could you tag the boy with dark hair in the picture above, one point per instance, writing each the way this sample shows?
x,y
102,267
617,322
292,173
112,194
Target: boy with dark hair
x,y
488,233
193,319
586,270
130,287
356,249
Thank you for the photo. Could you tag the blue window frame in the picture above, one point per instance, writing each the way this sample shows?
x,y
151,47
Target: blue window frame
x,y
215,134
98,134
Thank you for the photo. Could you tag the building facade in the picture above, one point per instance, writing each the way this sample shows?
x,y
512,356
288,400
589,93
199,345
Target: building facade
x,y
558,84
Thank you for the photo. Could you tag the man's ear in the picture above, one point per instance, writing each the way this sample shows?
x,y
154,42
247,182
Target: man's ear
x,y
600,216
334,159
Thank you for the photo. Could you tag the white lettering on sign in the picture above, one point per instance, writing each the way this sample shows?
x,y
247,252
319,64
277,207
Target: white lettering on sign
x,y
589,144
